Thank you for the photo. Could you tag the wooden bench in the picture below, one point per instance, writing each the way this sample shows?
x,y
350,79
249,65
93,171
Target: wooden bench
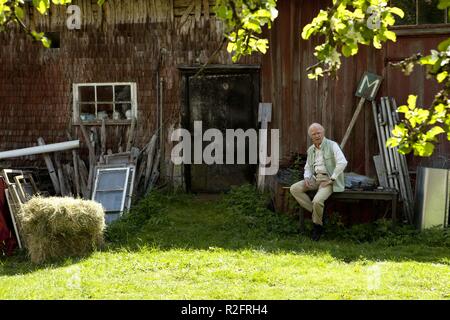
x,y
387,195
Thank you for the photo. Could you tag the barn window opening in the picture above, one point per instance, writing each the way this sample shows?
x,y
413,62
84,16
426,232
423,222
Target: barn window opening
x,y
112,102
420,12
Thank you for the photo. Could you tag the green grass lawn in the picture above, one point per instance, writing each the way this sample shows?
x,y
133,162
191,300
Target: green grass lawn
x,y
198,249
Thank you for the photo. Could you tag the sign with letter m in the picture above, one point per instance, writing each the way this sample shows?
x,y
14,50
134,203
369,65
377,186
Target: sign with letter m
x,y
368,86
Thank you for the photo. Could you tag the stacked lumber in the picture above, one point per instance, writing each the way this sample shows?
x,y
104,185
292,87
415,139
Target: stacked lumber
x,y
77,177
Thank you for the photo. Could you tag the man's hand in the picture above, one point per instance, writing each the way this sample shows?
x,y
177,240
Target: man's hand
x,y
326,183
308,182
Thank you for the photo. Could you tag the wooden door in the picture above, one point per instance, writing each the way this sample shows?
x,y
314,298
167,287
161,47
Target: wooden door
x,y
222,99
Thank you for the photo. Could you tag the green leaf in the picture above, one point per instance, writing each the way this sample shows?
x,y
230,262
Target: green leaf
x,y
346,51
19,12
46,42
41,5
59,2
390,35
389,19
353,47
412,100
262,45
433,132
424,149
392,142
399,12
399,131
231,47
376,42
443,4
444,44
442,76
100,2
429,60
403,109
308,30
252,26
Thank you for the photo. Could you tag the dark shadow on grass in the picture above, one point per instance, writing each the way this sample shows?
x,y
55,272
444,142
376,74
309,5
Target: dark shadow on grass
x,y
199,224
196,223
19,263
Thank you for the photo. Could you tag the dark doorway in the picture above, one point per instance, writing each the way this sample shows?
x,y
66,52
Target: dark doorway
x,y
222,98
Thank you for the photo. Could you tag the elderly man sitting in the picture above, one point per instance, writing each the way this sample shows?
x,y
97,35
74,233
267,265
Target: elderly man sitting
x,y
324,171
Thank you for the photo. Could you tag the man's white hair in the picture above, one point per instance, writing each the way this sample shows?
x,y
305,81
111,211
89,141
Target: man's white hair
x,y
315,125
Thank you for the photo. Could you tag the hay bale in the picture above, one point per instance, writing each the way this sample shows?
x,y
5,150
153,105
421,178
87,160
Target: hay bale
x,y
60,227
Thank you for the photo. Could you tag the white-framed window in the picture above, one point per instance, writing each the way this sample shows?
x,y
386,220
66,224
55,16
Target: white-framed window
x,y
113,102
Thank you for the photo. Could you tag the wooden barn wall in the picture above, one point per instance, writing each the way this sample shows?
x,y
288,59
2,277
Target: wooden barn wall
x,y
121,42
299,101
124,40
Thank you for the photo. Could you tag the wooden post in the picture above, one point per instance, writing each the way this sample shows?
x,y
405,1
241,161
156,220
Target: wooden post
x,y
103,138
83,177
76,177
155,173
51,168
264,116
352,122
91,159
131,135
150,162
62,184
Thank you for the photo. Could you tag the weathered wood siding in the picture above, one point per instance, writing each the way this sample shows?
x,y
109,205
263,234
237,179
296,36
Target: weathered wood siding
x,y
125,41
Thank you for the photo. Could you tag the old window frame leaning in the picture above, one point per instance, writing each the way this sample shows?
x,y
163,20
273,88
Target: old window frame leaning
x,y
95,102
126,189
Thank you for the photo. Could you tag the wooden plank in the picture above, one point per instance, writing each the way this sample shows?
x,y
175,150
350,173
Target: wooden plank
x,y
186,14
76,177
198,9
131,135
381,170
264,116
62,185
352,122
87,141
151,154
83,177
103,138
51,168
206,9
92,159
186,3
118,158
155,173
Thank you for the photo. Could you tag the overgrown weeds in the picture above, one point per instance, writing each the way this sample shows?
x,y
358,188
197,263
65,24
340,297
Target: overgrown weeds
x,y
250,208
149,210
248,211
384,233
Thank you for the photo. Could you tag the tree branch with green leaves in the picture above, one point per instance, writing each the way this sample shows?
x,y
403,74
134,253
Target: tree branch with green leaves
x,y
350,23
420,127
344,27
244,20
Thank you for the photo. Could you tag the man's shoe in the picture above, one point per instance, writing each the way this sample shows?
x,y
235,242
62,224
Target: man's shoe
x,y
317,232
